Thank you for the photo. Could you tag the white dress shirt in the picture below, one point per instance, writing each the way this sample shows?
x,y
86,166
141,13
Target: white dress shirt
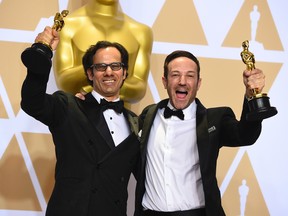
x,y
116,122
173,180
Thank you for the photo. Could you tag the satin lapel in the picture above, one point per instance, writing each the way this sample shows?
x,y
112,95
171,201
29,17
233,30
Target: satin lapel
x,y
102,127
147,124
202,133
91,108
148,121
133,122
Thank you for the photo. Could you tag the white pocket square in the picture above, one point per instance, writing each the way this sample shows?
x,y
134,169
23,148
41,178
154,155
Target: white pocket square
x,y
140,133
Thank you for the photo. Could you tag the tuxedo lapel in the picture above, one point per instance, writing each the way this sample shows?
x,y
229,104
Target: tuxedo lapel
x,y
202,133
148,120
91,108
133,122
103,129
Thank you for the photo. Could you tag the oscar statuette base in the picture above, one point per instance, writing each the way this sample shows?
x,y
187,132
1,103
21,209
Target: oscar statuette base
x,y
260,108
36,57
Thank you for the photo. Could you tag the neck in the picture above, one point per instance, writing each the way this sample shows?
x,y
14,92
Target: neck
x,y
95,7
111,98
107,97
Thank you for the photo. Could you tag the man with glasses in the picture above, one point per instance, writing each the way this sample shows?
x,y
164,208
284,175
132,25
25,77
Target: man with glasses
x,y
95,139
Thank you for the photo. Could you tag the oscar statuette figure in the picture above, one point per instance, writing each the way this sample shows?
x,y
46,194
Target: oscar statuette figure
x,y
259,104
40,54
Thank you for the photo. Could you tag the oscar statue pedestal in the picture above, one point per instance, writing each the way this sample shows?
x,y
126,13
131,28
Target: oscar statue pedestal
x,y
37,56
260,108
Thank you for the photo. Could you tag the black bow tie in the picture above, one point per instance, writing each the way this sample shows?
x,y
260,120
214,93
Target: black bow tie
x,y
168,113
116,106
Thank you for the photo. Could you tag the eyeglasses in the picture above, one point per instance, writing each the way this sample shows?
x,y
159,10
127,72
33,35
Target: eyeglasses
x,y
115,66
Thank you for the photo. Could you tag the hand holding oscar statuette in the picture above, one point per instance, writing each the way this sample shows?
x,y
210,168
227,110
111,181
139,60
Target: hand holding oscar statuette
x,y
40,53
259,104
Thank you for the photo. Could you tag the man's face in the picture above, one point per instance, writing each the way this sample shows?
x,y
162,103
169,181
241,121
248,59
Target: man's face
x,y
182,82
108,82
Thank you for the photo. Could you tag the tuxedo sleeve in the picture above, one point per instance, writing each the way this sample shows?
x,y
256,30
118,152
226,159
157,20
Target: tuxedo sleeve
x,y
249,130
44,107
239,132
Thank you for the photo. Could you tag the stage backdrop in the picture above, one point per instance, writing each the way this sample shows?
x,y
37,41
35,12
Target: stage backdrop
x,y
213,31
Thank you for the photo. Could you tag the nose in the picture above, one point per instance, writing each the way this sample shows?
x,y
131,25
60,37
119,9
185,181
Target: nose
x,y
108,71
182,80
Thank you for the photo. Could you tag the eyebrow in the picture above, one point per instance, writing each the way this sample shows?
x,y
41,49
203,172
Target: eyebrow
x,y
177,71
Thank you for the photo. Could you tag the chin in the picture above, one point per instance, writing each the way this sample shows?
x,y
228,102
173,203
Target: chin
x,y
180,105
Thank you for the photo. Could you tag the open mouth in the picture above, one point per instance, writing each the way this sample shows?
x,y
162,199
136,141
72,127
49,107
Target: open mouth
x,y
181,94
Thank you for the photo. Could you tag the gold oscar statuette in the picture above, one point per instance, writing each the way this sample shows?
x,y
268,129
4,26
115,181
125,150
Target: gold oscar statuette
x,y
40,53
259,104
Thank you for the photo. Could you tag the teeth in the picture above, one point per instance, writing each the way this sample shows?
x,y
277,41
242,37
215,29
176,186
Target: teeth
x,y
109,81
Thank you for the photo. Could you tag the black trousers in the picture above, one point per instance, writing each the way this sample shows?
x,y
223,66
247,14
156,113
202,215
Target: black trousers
x,y
192,212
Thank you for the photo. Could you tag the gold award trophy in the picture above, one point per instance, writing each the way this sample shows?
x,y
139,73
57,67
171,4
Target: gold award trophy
x,y
259,104
40,53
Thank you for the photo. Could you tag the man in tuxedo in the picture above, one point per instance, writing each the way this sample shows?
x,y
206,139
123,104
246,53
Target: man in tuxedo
x,y
96,141
180,142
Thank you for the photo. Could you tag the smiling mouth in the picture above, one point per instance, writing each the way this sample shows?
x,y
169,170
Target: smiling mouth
x,y
108,81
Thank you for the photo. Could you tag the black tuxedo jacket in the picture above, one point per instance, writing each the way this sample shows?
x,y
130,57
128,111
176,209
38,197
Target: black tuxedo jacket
x,y
91,174
216,127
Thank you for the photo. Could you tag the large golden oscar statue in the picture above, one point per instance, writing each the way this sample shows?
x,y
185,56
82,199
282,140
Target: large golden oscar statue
x,y
103,20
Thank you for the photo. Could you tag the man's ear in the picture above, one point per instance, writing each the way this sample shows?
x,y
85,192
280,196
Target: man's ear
x,y
124,74
164,81
199,84
90,74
